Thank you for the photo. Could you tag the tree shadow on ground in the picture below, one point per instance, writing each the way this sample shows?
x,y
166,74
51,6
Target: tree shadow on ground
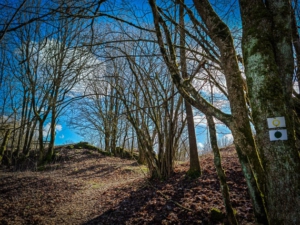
x,y
97,171
24,198
175,201
178,200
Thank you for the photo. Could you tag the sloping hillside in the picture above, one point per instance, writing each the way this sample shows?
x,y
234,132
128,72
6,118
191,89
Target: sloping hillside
x,y
85,187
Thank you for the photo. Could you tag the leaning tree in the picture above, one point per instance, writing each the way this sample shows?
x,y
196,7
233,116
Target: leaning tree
x,y
271,168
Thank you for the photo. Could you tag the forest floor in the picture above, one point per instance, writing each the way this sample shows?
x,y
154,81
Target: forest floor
x,y
85,187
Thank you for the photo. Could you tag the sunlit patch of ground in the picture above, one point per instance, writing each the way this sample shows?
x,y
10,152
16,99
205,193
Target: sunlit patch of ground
x,y
84,187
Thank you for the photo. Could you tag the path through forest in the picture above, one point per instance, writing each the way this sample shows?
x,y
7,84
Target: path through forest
x,y
84,187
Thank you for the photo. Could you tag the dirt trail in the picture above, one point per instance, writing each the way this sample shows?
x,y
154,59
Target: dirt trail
x,y
70,191
84,187
104,176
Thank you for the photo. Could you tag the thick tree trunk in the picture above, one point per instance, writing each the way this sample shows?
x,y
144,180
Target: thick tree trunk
x,y
142,158
268,58
141,146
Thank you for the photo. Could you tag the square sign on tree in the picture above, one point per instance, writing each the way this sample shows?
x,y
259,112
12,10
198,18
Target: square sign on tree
x,y
275,133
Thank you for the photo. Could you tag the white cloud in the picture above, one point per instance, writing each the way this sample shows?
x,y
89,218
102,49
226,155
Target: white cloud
x,y
200,120
200,145
58,127
62,136
46,129
228,137
85,66
201,81
226,140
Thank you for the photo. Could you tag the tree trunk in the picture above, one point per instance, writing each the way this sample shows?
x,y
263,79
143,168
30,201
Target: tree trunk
x,y
239,125
28,137
3,146
23,123
41,142
238,121
269,65
194,170
296,45
30,128
107,142
220,171
256,195
50,151
142,158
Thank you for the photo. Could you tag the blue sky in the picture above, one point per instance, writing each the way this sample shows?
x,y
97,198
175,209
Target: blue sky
x,y
66,135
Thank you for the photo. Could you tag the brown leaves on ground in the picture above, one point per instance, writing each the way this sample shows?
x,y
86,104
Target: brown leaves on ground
x,y
84,187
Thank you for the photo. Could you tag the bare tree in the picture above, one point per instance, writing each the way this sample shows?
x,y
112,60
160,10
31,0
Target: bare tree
x,y
195,170
261,174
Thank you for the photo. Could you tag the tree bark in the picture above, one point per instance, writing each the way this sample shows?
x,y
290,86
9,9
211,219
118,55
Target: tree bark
x,y
194,170
50,151
3,146
41,142
220,171
268,58
238,121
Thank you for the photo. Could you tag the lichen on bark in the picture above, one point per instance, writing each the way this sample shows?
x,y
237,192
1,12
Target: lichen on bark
x,y
269,67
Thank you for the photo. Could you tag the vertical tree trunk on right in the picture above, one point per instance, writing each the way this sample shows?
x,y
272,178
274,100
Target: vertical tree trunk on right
x,y
269,67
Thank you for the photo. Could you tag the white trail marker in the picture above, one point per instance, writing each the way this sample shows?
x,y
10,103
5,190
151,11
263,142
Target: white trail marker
x,y
277,134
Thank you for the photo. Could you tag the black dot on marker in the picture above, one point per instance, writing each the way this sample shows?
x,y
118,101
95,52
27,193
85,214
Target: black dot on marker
x,y
278,134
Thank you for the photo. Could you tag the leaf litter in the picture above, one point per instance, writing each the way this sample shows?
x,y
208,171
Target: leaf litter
x,y
85,187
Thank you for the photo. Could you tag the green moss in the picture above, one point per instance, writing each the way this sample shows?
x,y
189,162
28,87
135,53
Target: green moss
x,y
91,147
272,89
124,153
97,185
136,169
85,145
70,147
106,153
82,144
